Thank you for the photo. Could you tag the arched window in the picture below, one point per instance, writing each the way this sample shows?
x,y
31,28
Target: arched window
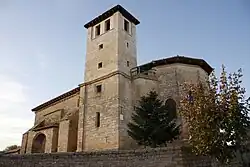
x,y
38,145
171,105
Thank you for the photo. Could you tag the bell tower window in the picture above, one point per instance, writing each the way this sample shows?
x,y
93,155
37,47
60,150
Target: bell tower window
x,y
98,30
126,25
107,25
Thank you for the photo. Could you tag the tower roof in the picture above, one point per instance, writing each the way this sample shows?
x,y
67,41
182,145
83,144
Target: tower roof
x,y
109,13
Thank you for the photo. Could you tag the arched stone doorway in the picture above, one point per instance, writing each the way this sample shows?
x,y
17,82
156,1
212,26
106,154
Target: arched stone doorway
x,y
171,105
38,145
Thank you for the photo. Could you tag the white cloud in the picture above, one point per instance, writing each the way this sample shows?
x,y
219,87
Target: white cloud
x,y
15,114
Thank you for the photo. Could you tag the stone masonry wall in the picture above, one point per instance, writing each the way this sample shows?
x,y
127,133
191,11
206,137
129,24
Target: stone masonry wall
x,y
49,112
125,111
126,46
51,139
164,157
24,143
170,157
171,78
106,55
106,103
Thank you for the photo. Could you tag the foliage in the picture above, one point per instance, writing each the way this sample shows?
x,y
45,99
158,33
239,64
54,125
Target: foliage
x,y
152,124
12,147
217,115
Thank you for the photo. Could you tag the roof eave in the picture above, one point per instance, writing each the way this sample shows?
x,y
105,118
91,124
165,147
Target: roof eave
x,y
56,99
109,13
180,59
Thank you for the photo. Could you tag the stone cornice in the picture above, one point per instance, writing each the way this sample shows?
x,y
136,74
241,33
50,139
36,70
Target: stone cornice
x,y
106,77
77,90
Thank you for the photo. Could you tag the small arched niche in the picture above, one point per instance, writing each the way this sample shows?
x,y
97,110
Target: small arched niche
x,y
38,145
171,105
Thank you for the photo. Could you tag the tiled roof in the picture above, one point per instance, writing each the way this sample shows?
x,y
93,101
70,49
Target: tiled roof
x,y
109,13
178,59
52,101
16,150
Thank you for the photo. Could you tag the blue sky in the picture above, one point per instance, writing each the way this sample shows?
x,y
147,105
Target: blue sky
x,y
42,45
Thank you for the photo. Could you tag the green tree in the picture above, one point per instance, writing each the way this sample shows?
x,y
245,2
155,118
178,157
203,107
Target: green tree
x,y
217,115
152,124
236,121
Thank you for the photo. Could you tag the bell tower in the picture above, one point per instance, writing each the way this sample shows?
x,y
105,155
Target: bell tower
x,y
111,43
106,91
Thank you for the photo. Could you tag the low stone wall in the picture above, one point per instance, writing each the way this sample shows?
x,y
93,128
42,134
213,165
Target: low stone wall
x,y
163,157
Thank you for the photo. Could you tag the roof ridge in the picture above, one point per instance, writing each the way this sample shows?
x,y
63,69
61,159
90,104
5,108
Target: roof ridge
x,y
53,100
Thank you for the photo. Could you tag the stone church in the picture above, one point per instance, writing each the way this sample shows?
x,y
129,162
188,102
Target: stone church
x,y
94,115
